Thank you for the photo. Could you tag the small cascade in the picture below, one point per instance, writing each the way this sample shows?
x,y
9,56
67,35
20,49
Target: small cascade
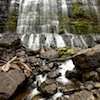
x,y
83,42
49,40
59,41
36,43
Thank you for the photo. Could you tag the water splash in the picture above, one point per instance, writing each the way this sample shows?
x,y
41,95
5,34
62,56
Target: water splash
x,y
68,65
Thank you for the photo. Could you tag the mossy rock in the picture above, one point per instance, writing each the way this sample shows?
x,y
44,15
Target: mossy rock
x,y
67,51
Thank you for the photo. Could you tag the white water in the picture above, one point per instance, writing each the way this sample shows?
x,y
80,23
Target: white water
x,y
68,65
36,43
33,93
43,17
49,40
59,41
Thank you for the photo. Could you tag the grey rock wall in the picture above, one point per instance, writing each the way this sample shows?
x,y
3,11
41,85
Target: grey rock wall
x,y
4,9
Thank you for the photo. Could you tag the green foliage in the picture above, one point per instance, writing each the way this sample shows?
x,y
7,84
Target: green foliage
x,y
12,22
96,29
63,22
77,11
82,26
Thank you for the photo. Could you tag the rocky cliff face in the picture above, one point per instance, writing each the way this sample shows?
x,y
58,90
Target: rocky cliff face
x,y
4,7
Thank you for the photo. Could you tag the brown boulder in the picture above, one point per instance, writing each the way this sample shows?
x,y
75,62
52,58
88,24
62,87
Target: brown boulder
x,y
9,81
83,95
51,54
49,87
88,59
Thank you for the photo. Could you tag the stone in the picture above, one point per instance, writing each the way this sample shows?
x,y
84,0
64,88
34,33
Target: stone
x,y
92,75
32,59
49,87
43,69
82,95
72,75
70,88
21,53
87,59
54,74
52,54
4,9
97,85
9,82
10,41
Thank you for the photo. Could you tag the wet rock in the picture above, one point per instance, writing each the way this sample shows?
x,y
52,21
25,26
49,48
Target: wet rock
x,y
70,88
52,54
43,69
49,87
10,40
97,85
89,85
4,9
73,75
83,95
90,76
32,59
88,59
96,93
9,82
21,53
98,70
51,65
54,74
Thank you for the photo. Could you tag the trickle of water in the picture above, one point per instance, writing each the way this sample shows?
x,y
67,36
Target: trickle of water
x,y
59,41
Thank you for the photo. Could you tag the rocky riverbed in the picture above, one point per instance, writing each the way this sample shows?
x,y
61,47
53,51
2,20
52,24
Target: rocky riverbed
x,y
45,75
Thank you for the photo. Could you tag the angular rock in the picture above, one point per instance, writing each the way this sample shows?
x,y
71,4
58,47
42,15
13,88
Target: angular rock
x,y
88,59
92,75
32,59
97,85
83,95
52,54
9,81
49,87
54,74
10,40
21,53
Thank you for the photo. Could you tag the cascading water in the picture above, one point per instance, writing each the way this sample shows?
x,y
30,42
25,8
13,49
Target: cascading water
x,y
42,18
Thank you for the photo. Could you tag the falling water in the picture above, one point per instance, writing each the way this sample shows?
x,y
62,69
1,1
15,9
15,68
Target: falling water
x,y
37,17
59,41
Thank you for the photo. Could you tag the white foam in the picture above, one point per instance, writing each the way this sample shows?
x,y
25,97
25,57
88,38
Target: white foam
x,y
68,65
57,95
40,79
32,94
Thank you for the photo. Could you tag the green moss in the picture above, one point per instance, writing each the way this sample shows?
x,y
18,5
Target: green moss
x,y
65,51
82,26
81,20
12,22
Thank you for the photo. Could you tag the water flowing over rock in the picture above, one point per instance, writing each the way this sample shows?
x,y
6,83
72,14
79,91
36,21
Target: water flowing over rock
x,y
39,22
43,16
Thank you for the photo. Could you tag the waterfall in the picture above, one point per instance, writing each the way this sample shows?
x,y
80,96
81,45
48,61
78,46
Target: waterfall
x,y
40,22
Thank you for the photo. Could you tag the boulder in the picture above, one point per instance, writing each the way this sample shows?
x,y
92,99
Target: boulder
x,y
49,87
52,54
83,95
10,40
9,81
88,59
